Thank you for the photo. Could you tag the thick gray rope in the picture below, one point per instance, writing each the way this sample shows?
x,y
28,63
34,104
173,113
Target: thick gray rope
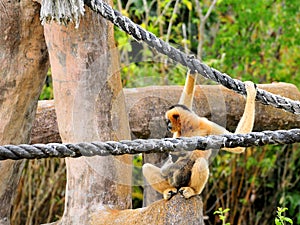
x,y
192,63
24,151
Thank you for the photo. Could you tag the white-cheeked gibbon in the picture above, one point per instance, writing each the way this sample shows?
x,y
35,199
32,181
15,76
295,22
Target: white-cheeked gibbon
x,y
189,172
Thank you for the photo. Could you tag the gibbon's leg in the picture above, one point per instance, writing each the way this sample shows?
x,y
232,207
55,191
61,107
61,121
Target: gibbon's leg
x,y
199,177
152,173
187,95
247,121
165,169
157,181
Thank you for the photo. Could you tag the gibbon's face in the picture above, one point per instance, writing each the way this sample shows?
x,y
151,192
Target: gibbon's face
x,y
173,117
173,121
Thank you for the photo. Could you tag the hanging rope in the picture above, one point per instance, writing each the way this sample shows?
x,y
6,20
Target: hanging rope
x,y
148,146
192,63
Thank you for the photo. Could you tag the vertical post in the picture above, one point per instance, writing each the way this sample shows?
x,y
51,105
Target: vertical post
x,y
24,64
90,106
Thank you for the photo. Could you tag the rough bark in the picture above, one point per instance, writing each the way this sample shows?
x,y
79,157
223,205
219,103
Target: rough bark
x,y
24,64
45,129
89,103
177,210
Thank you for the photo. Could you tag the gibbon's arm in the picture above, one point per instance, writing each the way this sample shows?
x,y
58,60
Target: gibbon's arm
x,y
247,121
245,124
187,95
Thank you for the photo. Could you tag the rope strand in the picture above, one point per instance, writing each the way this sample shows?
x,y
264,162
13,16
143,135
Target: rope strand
x,y
38,151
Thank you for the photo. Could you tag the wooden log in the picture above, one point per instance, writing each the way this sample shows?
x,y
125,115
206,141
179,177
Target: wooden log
x,y
146,108
24,64
45,129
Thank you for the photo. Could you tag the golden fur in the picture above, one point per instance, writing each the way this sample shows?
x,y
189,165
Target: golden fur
x,y
188,174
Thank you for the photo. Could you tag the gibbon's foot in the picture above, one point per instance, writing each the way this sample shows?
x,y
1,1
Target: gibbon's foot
x,y
198,180
169,193
187,192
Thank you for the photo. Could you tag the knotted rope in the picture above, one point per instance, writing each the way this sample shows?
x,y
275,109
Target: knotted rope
x,y
24,151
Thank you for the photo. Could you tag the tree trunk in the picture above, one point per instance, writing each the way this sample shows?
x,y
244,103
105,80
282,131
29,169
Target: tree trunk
x,y
89,103
24,64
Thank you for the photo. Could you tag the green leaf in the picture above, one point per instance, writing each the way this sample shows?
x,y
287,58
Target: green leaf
x,y
277,222
219,2
226,210
188,4
288,220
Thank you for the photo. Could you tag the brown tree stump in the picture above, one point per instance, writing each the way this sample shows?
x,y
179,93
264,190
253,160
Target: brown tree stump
x,y
24,64
177,210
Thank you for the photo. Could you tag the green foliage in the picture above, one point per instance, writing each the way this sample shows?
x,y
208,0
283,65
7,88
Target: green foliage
x,y
264,176
47,92
249,40
137,189
281,219
222,215
141,66
259,40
